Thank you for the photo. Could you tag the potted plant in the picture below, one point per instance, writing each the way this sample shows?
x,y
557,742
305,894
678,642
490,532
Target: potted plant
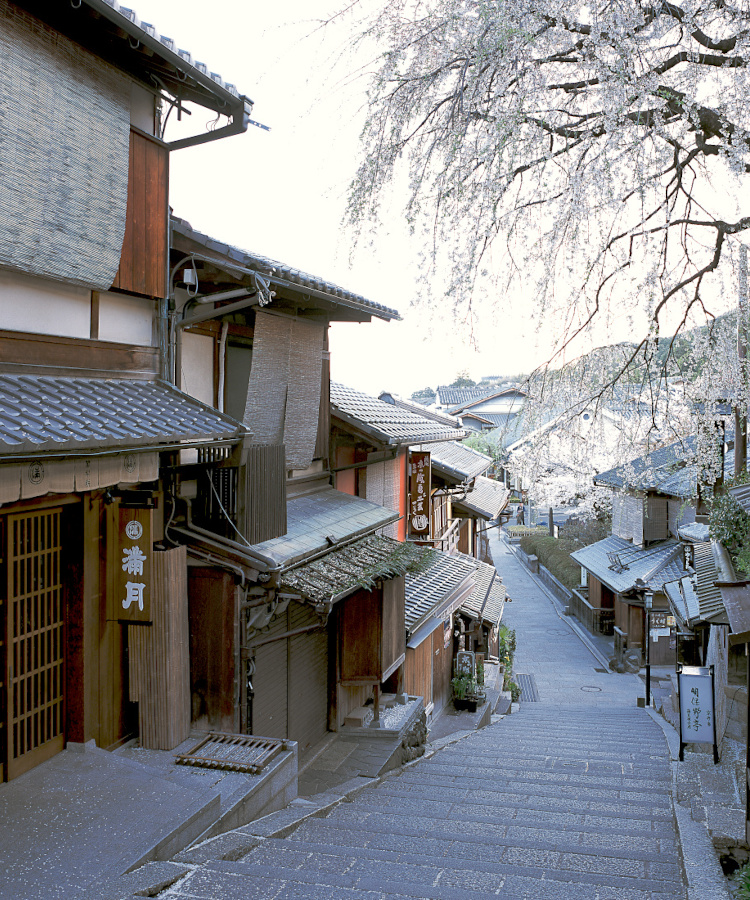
x,y
466,693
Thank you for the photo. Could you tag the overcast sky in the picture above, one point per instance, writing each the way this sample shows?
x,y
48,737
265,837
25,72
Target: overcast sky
x,y
283,193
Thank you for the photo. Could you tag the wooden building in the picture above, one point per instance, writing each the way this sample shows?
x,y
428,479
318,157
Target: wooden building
x,y
93,614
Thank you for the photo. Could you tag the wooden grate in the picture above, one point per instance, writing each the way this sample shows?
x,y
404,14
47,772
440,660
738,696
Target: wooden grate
x,y
35,639
234,752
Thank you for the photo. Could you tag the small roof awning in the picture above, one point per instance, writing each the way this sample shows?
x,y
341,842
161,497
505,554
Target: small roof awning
x,y
433,594
358,565
618,564
44,415
456,462
320,522
486,500
487,600
736,597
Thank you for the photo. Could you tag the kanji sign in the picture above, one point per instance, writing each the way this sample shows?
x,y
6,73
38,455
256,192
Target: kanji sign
x,y
419,494
132,561
695,686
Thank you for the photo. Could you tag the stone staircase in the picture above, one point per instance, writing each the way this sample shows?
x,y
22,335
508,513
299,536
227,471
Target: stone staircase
x,y
552,802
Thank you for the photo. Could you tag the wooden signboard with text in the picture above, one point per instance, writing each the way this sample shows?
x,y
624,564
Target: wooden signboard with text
x,y
419,494
133,552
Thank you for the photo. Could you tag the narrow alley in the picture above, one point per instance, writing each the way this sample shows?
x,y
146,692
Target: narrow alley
x,y
567,798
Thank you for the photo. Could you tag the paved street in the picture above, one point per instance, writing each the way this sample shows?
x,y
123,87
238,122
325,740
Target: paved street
x,y
567,798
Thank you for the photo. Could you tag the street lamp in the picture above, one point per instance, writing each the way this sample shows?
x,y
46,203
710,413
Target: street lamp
x,y
648,602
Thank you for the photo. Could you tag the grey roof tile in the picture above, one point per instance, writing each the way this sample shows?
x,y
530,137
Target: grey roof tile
x,y
618,564
272,268
428,592
487,499
389,424
456,460
442,417
40,413
487,600
318,522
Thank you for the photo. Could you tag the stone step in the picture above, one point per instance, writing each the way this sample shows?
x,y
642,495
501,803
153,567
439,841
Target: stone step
x,y
498,825
516,842
504,804
411,877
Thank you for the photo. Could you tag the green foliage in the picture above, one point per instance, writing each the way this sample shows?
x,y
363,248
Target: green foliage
x,y
506,648
515,692
521,531
741,883
554,554
730,524
463,685
426,396
463,381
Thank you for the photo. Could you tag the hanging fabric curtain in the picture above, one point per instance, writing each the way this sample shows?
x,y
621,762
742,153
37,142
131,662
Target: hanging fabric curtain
x,y
283,397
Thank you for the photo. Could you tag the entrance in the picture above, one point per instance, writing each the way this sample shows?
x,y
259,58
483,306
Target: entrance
x,y
32,648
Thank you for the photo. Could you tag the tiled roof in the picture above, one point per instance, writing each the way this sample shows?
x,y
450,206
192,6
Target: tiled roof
x,y
128,20
456,396
668,466
695,532
487,600
443,417
387,423
618,564
40,413
358,565
282,273
487,499
684,600
318,522
500,420
439,589
456,460
741,493
710,602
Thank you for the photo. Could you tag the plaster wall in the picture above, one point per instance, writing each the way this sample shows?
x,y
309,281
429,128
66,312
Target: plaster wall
x,y
126,319
41,306
197,369
142,105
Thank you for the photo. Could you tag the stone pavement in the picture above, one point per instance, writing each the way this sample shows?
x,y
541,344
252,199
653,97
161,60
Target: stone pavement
x,y
571,797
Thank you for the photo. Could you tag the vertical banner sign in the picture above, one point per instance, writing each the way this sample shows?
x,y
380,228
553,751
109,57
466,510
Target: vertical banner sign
x,y
695,688
419,494
133,552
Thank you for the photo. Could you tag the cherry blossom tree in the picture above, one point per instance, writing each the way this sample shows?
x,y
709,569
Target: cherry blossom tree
x,y
588,158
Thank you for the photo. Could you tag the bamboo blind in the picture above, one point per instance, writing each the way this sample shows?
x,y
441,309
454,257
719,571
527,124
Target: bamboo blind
x,y
159,657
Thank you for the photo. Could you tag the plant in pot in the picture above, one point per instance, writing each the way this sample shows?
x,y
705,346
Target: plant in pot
x,y
466,693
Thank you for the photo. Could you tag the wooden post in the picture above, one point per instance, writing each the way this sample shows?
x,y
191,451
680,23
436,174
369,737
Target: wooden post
x,y
740,408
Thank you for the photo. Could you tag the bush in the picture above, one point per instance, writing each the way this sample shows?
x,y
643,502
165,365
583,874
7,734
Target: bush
x,y
730,524
554,554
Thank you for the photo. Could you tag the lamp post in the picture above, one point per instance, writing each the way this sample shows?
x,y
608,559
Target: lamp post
x,y
648,602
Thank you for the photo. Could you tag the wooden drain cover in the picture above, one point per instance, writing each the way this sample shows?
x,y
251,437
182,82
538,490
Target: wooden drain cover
x,y
233,752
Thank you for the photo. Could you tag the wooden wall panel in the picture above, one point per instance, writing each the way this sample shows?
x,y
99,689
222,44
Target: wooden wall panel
x,y
595,592
324,419
442,664
360,624
42,354
418,671
265,503
160,657
394,627
143,263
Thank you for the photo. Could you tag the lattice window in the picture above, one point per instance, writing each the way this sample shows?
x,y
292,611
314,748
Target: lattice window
x,y
35,637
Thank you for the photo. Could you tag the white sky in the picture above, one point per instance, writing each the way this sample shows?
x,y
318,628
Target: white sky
x,y
283,193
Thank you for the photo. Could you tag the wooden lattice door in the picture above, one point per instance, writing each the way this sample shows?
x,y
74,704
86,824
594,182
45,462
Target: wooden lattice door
x,y
35,648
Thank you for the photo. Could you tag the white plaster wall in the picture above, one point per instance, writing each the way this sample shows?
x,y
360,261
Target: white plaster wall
x,y
40,306
126,319
142,108
197,369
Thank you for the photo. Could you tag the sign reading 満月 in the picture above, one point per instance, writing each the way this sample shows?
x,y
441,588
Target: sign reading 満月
x,y
419,494
133,551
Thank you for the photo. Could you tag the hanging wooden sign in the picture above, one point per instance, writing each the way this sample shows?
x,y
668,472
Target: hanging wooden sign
x,y
133,551
419,494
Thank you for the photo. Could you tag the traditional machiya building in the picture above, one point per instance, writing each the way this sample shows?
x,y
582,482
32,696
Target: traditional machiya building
x,y
93,614
296,582
416,465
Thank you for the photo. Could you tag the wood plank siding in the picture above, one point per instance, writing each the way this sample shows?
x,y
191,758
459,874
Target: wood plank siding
x,y
144,259
394,627
43,354
265,506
